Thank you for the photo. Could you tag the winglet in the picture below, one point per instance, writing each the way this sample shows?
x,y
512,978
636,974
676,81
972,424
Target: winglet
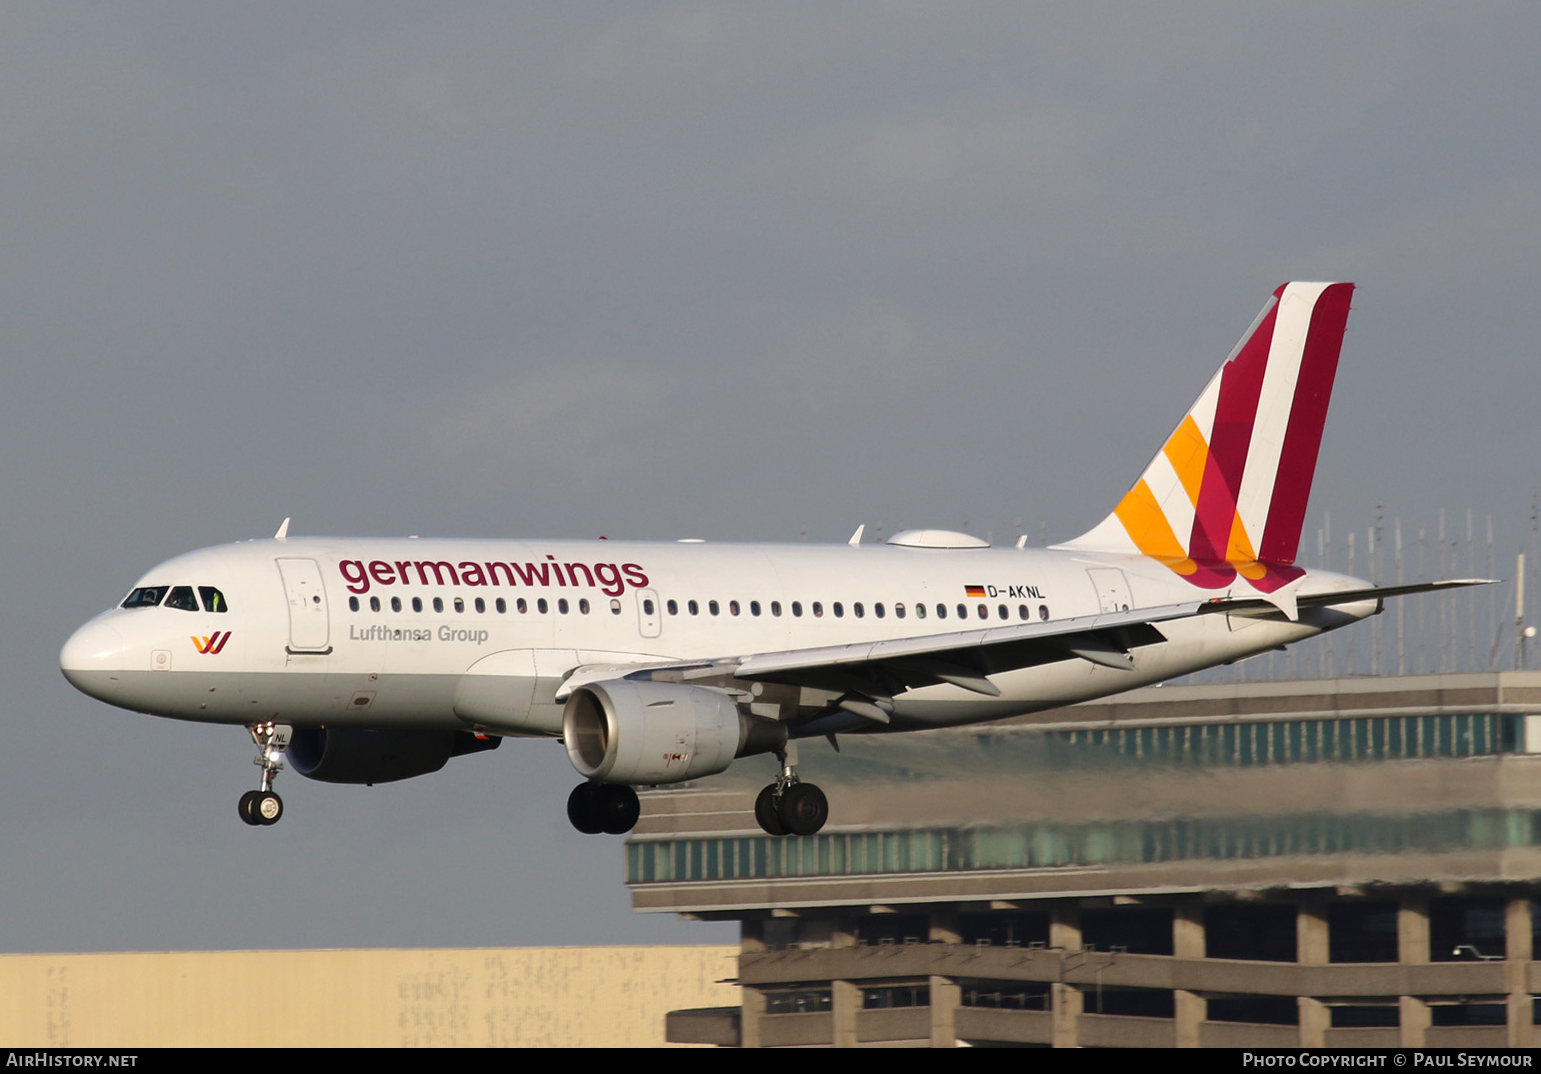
x,y
283,532
856,537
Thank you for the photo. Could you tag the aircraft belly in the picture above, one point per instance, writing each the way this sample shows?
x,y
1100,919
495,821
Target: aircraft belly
x,y
302,699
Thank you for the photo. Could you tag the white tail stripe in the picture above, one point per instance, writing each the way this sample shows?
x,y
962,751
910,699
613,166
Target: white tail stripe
x,y
1275,402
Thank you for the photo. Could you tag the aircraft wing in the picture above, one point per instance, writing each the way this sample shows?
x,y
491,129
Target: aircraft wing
x,y
885,668
882,669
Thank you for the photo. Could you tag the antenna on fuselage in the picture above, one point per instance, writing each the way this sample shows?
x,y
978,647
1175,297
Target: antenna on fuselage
x,y
283,532
856,537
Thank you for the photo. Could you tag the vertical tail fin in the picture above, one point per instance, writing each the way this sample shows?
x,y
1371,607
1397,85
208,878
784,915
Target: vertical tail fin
x,y
1227,492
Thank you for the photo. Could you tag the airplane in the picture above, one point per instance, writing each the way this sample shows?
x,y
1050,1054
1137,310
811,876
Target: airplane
x,y
373,660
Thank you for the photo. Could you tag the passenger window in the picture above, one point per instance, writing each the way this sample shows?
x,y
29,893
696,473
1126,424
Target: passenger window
x,y
395,604
615,607
941,611
732,607
818,610
561,605
712,607
984,613
353,604
1022,612
481,605
838,609
583,605
147,596
417,604
181,598
213,599
673,606
1043,612
877,610
438,604
647,607
797,609
775,608
522,606
541,605
374,604
858,610
898,611
920,611
754,607
694,608
963,611
501,606
460,605
1001,612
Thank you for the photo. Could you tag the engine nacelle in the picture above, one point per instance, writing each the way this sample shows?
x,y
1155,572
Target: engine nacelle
x,y
621,731
351,755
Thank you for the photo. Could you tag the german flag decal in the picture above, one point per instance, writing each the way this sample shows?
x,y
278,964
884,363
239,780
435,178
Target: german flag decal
x,y
973,590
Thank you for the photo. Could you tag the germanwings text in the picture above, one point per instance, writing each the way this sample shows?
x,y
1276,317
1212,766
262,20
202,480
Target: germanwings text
x,y
612,579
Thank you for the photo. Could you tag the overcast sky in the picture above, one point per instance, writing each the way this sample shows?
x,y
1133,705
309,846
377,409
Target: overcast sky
x,y
657,270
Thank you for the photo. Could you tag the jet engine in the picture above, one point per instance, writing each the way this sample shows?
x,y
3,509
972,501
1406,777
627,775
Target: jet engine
x,y
639,732
352,755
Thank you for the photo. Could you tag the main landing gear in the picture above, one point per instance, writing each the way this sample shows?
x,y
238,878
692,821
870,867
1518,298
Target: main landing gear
x,y
262,807
611,808
789,807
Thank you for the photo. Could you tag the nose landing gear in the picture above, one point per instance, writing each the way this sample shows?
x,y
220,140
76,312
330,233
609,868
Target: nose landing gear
x,y
263,807
789,806
611,808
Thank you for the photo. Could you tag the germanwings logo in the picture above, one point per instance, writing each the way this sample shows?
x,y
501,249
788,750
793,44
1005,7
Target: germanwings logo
x,y
1226,495
213,643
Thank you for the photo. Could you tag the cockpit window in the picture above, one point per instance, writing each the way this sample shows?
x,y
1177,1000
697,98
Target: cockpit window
x,y
146,596
213,599
182,597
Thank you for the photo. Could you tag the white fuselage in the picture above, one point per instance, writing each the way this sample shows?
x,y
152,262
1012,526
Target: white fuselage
x,y
463,634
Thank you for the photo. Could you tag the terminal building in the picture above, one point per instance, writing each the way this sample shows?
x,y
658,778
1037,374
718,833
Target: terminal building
x,y
1339,863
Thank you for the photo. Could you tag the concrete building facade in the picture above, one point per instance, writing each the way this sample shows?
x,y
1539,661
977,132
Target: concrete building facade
x,y
1336,863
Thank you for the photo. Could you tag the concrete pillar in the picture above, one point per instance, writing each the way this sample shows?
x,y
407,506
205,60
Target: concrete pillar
x,y
1065,936
751,935
842,932
1414,1019
1315,1020
844,1002
1189,1011
1311,938
1312,948
1518,953
1413,930
1189,1008
944,925
749,1017
1413,949
946,998
1065,927
1188,929
1067,1005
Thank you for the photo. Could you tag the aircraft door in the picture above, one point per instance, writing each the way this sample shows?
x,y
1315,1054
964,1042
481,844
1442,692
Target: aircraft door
x,y
1112,588
649,613
309,623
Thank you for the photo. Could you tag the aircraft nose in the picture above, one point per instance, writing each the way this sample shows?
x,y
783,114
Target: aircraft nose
x,y
93,658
